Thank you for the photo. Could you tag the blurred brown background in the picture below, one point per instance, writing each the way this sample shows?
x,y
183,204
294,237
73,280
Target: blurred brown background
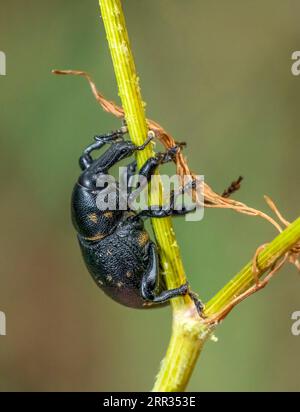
x,y
214,73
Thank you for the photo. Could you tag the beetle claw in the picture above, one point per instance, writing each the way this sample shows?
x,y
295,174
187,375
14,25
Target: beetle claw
x,y
197,302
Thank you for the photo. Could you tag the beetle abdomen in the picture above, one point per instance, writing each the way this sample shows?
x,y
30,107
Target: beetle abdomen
x,y
116,268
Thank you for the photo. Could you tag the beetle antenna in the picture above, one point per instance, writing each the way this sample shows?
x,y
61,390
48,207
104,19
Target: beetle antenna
x,y
150,137
112,136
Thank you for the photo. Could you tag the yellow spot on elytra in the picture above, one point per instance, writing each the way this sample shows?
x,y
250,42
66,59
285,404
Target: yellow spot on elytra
x,y
109,278
109,252
128,274
93,217
98,236
143,238
119,284
109,215
147,304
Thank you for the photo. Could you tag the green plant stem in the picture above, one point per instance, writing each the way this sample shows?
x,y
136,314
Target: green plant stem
x,y
189,332
184,316
188,341
266,258
129,91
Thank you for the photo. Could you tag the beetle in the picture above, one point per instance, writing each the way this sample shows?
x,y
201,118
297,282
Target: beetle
x,y
116,248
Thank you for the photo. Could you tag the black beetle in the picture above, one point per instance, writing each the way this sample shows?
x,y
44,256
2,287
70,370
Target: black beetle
x,y
116,248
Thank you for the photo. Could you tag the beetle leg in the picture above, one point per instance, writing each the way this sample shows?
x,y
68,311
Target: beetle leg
x,y
151,165
100,140
128,173
150,281
149,168
125,179
162,211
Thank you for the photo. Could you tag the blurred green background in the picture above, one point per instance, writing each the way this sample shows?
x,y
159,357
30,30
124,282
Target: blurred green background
x,y
214,73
